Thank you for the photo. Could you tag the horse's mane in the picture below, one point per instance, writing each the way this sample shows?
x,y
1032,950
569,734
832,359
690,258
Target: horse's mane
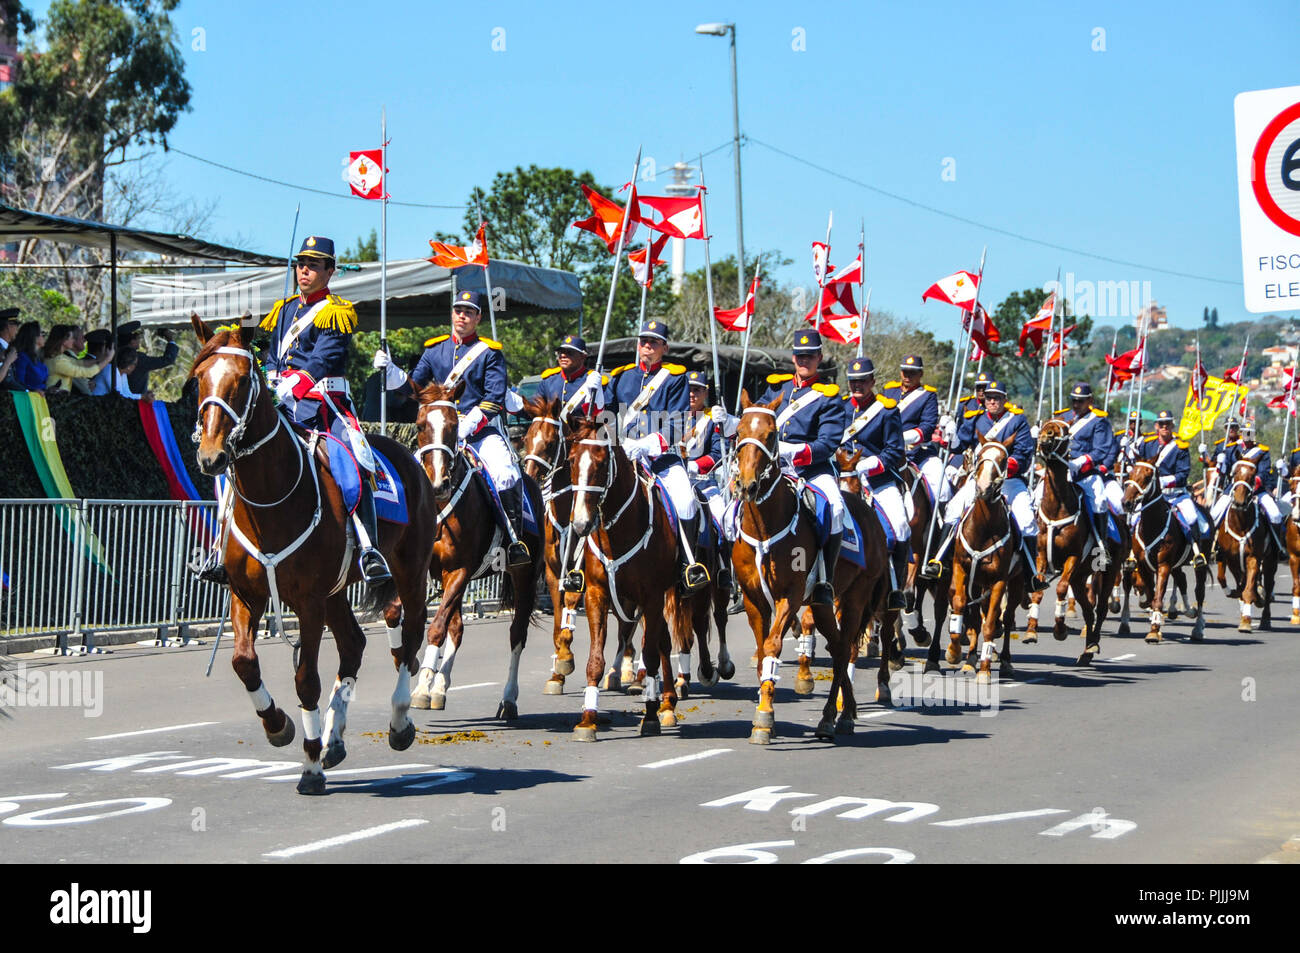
x,y
584,428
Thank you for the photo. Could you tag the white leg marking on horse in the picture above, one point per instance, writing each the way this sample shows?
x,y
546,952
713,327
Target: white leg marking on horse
x,y
425,680
1060,609
261,699
682,665
395,636
401,699
955,625
1033,611
1295,603
511,692
651,689
1246,608
986,652
911,620
431,655
310,724
806,646
851,670
336,709
1157,618
591,698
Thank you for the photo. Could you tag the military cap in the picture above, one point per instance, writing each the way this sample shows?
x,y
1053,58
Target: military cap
x,y
861,368
912,362
994,387
572,342
697,379
313,246
807,342
469,299
1081,390
655,328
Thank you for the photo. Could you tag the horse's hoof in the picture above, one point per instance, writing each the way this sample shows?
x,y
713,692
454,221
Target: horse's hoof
x,y
285,735
1153,638
667,718
1230,594
311,782
1295,618
983,678
931,667
952,655
612,682
649,727
1113,606
1006,671
507,711
920,638
1198,636
967,668
420,699
708,681
553,686
844,725
1030,638
760,736
401,740
883,695
635,687
727,669
584,733
1244,626
803,686
825,730
563,666
1173,614
1084,660
682,687
1123,629
437,701
765,720
336,752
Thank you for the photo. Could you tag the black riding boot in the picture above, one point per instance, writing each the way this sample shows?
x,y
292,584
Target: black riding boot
x,y
694,575
374,568
512,501
898,572
823,593
210,566
1100,524
933,568
724,565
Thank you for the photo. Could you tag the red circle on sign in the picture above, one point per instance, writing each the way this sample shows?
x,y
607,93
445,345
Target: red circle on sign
x,y
1270,208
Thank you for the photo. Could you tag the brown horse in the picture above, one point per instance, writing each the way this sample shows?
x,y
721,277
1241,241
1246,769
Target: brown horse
x,y
918,586
1293,547
1160,547
290,542
775,557
1245,544
630,555
1067,545
987,566
469,543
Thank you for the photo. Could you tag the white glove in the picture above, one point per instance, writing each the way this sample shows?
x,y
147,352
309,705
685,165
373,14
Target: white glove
x,y
728,423
284,389
1202,448
869,466
949,429
469,423
788,449
514,403
910,438
639,448
951,472
1033,432
1077,464
381,360
693,467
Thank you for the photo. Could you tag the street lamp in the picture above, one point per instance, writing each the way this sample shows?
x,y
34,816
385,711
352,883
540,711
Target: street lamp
x,y
723,29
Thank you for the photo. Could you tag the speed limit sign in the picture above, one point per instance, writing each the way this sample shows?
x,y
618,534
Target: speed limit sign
x,y
1268,189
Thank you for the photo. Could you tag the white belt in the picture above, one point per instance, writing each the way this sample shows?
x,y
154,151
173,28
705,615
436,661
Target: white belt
x,y
334,385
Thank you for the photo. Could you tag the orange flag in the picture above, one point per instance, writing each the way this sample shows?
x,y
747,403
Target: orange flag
x,y
453,256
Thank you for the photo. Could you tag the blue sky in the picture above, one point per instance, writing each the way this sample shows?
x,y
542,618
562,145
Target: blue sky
x,y
1126,153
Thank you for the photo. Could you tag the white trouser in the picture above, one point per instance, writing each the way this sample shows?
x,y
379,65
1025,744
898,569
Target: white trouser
x,y
1014,492
829,485
713,497
891,501
1266,502
1182,501
497,459
678,483
932,473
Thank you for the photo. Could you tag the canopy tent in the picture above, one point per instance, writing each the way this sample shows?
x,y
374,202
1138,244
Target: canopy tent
x,y
419,294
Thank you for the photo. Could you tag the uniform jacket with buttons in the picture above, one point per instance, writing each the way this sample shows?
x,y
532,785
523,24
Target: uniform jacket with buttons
x,y
1092,438
881,436
820,422
919,412
320,349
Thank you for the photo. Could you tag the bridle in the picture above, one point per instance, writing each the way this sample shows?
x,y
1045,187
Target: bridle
x,y
999,464
437,446
1249,485
1146,494
611,476
773,457
548,466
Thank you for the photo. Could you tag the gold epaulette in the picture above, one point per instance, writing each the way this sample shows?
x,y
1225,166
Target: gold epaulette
x,y
830,390
893,384
974,413
1014,408
1182,444
549,371
339,314
889,402
268,322
495,345
1099,412
675,369
1148,437
932,390
620,370
438,340
779,378
966,398
1262,446
1063,410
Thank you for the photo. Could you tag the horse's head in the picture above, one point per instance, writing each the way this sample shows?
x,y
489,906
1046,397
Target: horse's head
x,y
437,432
1054,440
990,468
1140,484
757,457
1243,484
230,383
850,480
593,460
541,444
1294,482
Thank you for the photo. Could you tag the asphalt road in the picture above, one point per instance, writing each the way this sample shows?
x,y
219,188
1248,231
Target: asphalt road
x,y
1177,752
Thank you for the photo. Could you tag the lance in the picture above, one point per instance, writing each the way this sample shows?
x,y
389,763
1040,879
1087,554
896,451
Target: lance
x,y
1046,348
708,275
613,281
487,274
749,332
293,237
383,258
1110,369
862,279
1288,405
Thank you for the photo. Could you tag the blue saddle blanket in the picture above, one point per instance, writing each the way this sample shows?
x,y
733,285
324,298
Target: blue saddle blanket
x,y
530,518
1112,525
390,495
852,546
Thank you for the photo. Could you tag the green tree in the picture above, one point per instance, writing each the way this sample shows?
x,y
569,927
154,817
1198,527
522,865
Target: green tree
x,y
365,249
21,290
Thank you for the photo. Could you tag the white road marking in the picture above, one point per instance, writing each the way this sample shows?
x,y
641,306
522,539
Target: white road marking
x,y
346,838
1121,658
993,818
346,772
882,714
685,758
461,688
152,731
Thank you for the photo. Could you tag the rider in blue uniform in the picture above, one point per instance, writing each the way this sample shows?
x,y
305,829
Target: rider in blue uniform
x,y
974,401
579,389
874,427
1173,463
306,360
810,425
1093,452
1265,479
702,449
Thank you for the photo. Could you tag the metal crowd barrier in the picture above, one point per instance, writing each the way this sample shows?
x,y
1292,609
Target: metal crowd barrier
x,y
72,568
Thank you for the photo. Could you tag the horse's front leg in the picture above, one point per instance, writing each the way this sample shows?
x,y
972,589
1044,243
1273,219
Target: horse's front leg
x,y
244,618
1248,591
769,671
307,682
1157,602
350,642
807,642
597,627
988,631
1061,631
660,697
524,580
435,671
562,625
957,611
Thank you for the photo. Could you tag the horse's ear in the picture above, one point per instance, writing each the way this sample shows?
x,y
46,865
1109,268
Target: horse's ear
x,y
983,439
202,330
745,402
534,407
237,334
773,405
458,389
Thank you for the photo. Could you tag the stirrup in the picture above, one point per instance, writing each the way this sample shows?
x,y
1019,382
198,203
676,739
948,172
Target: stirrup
x,y
932,569
695,577
575,581
517,554
724,579
210,568
823,594
374,568
1037,583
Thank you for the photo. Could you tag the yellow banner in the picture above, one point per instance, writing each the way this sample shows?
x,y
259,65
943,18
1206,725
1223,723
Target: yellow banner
x,y
1220,398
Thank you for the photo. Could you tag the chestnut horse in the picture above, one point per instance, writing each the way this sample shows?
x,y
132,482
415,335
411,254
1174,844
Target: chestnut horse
x,y
918,586
1245,544
1293,547
774,557
1160,547
1066,546
987,566
630,556
469,543
290,542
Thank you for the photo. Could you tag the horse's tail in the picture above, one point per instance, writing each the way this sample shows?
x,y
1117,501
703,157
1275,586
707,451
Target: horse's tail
x,y
378,597
510,599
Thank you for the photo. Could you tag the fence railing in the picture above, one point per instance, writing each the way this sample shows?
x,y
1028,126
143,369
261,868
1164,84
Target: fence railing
x,y
77,567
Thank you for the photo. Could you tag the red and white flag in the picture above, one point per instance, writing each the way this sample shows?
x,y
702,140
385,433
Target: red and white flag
x,y
454,256
678,217
1199,377
1125,367
608,220
837,315
366,173
958,289
849,274
821,269
1286,399
737,319
645,273
1034,329
1233,374
983,331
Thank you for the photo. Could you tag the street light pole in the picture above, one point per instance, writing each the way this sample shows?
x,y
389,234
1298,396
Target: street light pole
x,y
729,29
